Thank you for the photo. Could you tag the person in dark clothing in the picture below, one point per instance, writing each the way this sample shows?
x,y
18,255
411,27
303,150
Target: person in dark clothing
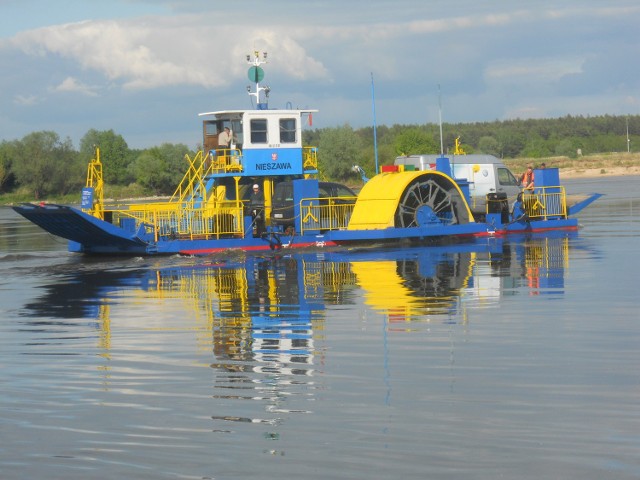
x,y
256,204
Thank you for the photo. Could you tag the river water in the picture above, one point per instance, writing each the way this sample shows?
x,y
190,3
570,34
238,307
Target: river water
x,y
508,358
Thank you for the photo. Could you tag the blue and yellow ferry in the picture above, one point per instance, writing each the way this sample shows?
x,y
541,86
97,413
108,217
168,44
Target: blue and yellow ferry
x,y
212,208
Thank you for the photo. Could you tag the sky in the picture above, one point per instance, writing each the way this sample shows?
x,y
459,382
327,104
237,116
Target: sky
x,y
146,68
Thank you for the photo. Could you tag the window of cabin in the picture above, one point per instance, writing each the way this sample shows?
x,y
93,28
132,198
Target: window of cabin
x,y
258,130
287,130
210,127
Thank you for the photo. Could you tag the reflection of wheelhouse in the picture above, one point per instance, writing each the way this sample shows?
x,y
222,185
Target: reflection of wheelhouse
x,y
264,143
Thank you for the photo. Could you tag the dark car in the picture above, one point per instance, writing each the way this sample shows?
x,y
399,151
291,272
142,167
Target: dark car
x,y
282,211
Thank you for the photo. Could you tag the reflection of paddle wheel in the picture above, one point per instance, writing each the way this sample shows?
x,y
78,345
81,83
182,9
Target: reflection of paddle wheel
x,y
436,279
431,200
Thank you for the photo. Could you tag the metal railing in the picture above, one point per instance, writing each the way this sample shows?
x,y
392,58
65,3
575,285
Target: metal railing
x,y
172,220
224,160
327,213
545,202
95,181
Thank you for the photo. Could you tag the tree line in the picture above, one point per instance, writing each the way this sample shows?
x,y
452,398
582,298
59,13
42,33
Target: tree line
x,y
569,136
41,164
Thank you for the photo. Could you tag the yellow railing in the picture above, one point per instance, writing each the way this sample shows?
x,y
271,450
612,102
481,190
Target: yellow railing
x,y
192,179
173,220
545,202
95,181
331,213
225,160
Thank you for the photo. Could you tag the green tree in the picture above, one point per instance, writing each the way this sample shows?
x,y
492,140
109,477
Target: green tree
x,y
489,146
8,154
114,154
339,149
511,139
415,141
536,147
160,169
566,148
47,165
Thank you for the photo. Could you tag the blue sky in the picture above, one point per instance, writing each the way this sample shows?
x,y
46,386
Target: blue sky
x,y
146,68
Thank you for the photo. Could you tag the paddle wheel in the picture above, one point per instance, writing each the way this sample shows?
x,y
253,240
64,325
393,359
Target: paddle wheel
x,y
431,200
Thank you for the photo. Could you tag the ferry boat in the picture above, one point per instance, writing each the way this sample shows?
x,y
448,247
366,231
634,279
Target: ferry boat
x,y
212,209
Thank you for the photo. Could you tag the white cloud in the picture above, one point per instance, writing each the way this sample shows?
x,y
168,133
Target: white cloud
x,y
492,61
25,100
71,84
533,69
166,52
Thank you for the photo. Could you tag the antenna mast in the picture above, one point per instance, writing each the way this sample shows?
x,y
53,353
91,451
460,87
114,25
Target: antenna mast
x,y
440,121
256,74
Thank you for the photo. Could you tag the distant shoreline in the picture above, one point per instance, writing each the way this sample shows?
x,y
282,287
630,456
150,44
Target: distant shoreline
x,y
592,166
588,166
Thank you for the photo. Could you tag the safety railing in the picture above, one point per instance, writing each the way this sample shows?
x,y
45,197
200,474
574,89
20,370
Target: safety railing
x,y
545,203
174,220
95,181
327,213
224,160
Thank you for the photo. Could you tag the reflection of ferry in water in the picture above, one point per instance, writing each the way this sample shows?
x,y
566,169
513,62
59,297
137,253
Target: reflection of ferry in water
x,y
257,305
211,210
263,317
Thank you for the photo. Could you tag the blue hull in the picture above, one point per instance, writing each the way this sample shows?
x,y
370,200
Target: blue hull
x,y
90,235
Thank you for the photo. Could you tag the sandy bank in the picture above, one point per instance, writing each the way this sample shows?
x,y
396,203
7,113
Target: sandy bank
x,y
599,172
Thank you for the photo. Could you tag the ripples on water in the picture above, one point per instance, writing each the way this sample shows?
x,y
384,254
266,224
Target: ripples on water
x,y
504,358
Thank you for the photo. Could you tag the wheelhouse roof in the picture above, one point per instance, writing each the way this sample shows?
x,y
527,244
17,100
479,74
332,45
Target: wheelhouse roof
x,y
239,113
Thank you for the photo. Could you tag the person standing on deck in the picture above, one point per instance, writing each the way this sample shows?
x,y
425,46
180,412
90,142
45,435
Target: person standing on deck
x,y
528,178
224,139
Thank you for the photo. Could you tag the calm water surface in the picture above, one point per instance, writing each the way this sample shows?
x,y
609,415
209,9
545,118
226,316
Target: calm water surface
x,y
513,358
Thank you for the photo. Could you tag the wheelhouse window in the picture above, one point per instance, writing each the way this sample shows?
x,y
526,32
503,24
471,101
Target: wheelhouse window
x,y
210,127
287,130
258,130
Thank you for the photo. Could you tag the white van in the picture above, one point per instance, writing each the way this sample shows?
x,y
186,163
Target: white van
x,y
486,175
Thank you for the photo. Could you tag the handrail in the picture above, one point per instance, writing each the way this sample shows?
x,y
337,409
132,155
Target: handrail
x,y
225,160
191,179
545,203
95,181
174,220
326,213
